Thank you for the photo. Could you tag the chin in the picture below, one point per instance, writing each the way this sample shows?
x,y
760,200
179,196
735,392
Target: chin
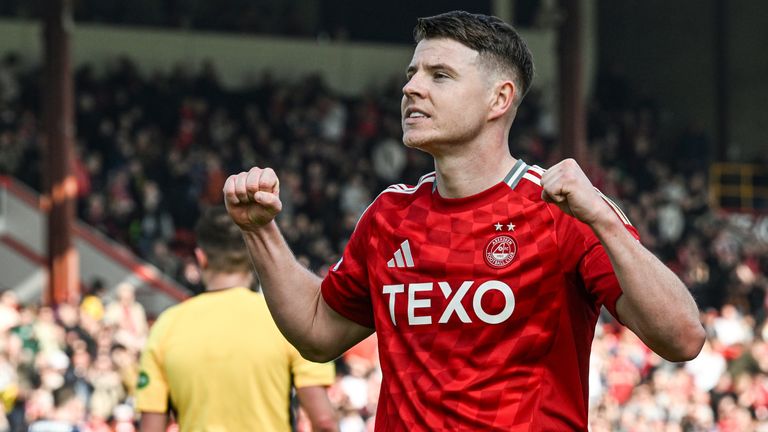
x,y
413,140
409,143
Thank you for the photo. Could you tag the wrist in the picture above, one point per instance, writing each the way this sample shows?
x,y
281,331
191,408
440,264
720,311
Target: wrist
x,y
606,221
256,230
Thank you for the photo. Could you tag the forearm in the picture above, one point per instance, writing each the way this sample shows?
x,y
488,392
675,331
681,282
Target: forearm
x,y
293,295
314,400
153,422
655,304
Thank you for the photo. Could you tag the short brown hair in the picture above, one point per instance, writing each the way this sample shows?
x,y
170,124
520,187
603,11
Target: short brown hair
x,y
221,240
496,41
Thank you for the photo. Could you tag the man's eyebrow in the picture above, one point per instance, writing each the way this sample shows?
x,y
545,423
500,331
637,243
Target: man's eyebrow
x,y
431,67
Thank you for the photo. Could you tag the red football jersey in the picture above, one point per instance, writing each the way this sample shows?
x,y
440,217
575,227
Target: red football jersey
x,y
485,306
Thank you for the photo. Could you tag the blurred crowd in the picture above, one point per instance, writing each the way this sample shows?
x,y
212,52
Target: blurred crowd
x,y
152,151
72,365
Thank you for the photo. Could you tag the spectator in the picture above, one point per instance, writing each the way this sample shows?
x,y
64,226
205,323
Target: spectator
x,y
92,305
66,415
128,317
108,388
156,223
707,368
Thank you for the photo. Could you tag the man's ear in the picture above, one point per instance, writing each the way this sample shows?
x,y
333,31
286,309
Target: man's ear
x,y
202,258
503,101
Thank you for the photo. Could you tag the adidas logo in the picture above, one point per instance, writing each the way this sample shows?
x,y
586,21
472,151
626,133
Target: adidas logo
x,y
402,257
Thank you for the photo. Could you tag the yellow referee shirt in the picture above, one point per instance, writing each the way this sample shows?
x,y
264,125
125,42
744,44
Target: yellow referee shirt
x,y
221,362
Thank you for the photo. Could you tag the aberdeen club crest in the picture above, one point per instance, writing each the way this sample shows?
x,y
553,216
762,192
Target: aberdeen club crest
x,y
500,251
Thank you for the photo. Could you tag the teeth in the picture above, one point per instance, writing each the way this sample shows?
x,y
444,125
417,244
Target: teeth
x,y
416,114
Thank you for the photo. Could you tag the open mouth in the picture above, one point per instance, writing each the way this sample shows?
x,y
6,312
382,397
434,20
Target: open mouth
x,y
413,114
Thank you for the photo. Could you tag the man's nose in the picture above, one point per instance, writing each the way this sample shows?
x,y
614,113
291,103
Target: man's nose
x,y
414,86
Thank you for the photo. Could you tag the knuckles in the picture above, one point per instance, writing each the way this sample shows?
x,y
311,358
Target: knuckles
x,y
248,182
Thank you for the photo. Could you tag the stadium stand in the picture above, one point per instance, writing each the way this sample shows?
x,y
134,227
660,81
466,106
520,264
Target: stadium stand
x,y
154,150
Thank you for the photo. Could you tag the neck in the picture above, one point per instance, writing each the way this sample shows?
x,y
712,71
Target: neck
x,y
472,167
215,281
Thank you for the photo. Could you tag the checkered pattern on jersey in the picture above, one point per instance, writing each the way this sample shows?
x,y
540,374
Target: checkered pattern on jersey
x,y
466,345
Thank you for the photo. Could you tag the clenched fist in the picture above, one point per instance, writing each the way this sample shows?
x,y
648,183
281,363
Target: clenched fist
x,y
566,185
253,198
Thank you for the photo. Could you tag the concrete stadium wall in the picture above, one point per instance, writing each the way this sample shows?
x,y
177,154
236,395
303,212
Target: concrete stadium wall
x,y
348,68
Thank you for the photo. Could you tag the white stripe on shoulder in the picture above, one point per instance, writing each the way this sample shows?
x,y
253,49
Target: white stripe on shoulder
x,y
396,187
537,169
408,190
336,267
514,178
433,174
615,208
428,178
401,188
532,178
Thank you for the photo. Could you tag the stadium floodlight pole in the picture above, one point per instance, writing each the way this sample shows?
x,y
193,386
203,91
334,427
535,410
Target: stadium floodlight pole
x,y
60,186
573,118
722,102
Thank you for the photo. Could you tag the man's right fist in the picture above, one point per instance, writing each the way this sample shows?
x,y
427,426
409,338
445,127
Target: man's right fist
x,y
253,198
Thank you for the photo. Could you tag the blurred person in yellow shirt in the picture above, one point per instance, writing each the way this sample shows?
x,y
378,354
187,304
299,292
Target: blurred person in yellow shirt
x,y
217,361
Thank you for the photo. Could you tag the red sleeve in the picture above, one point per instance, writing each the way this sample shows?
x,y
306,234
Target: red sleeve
x,y
582,251
345,289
